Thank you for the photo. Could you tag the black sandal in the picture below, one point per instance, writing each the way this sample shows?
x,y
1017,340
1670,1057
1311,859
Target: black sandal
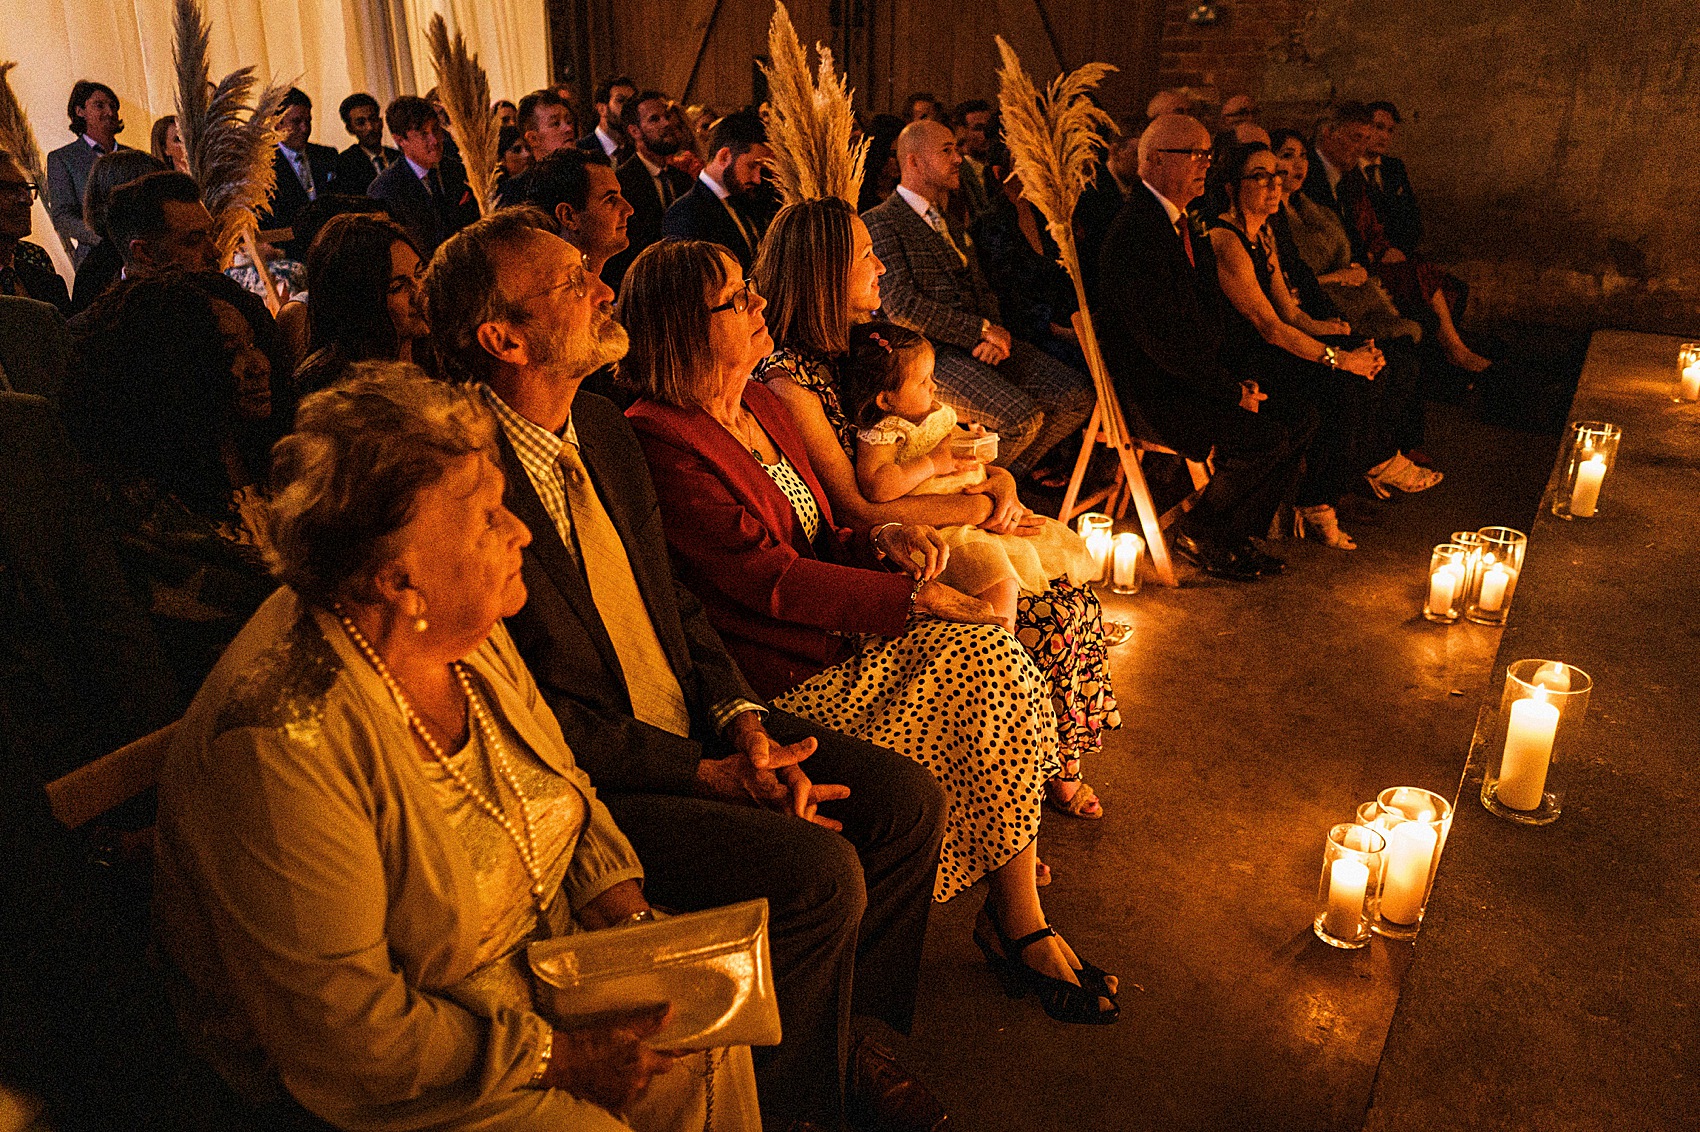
x,y
1062,1000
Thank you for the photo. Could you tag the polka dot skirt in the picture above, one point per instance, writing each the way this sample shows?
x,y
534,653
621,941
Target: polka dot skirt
x,y
965,702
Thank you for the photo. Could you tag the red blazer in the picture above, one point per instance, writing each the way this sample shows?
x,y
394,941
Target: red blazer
x,y
785,610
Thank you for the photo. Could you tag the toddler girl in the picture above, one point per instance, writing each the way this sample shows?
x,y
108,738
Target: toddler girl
x,y
904,445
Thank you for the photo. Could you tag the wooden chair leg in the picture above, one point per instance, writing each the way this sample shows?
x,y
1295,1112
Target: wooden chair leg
x,y
1146,508
1090,442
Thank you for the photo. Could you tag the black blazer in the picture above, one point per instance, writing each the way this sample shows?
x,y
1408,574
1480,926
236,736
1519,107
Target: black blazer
x,y
428,220
355,172
1160,320
291,197
1396,203
643,227
562,639
623,149
700,215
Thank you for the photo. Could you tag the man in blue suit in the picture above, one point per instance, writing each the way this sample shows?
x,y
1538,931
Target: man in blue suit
x,y
303,170
424,194
718,207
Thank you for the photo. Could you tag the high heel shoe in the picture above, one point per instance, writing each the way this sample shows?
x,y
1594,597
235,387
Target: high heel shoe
x,y
1062,1000
1324,524
1399,473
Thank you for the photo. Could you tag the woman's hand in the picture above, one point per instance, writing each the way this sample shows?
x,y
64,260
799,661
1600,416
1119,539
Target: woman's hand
x,y
607,1063
1365,361
1251,396
917,549
1007,511
949,604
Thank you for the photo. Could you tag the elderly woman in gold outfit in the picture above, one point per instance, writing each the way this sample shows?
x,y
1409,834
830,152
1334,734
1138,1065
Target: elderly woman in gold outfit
x,y
369,811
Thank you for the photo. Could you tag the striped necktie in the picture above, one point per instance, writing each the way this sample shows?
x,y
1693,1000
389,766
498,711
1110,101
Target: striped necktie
x,y
651,684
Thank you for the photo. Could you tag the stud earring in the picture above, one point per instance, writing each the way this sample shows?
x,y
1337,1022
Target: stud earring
x,y
420,625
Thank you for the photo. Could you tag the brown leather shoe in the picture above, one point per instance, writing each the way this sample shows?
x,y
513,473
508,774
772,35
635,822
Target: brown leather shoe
x,y
884,1097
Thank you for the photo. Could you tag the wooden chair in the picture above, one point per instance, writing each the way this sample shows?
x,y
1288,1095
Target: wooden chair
x,y
1109,426
111,780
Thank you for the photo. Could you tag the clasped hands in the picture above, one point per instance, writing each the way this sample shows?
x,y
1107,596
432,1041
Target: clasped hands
x,y
763,772
994,345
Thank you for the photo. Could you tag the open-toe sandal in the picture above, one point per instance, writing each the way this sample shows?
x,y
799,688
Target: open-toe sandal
x,y
1062,1000
1079,805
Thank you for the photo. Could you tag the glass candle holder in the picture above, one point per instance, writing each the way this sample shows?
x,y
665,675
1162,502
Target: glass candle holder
x,y
1351,872
1416,823
1095,528
1687,384
1540,721
1593,452
1125,554
1472,544
1448,579
1500,562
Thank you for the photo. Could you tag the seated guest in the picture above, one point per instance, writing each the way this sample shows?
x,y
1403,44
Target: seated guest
x,y
168,405
25,268
167,145
426,194
1239,109
546,126
1102,201
820,277
1389,183
512,158
93,110
582,195
1422,290
976,126
722,206
364,276
359,165
1305,365
831,637
1160,321
609,98
506,112
880,170
105,263
303,168
1016,252
700,775
158,223
1171,100
689,159
648,182
369,812
934,285
922,106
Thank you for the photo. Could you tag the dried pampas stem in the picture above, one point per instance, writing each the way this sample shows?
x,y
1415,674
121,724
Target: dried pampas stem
x,y
465,91
230,143
809,121
1054,140
15,133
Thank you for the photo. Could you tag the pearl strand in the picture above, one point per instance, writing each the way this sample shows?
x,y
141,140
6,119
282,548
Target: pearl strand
x,y
526,847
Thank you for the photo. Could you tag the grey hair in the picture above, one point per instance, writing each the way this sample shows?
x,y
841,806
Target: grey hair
x,y
349,477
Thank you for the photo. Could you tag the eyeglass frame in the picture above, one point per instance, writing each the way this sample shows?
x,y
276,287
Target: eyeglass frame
x,y
1266,178
27,188
579,282
741,295
1204,155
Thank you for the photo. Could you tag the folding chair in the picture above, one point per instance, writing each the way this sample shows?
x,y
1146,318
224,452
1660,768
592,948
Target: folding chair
x,y
111,780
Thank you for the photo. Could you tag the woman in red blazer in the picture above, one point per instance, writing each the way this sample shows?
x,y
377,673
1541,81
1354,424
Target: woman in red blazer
x,y
893,658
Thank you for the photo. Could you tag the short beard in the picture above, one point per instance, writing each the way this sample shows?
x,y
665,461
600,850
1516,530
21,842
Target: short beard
x,y
580,357
665,146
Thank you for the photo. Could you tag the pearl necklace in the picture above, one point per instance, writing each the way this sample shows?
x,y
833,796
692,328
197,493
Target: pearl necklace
x,y
526,846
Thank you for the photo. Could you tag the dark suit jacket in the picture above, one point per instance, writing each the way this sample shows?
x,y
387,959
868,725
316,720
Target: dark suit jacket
x,y
428,220
1396,203
643,227
291,197
1160,321
926,286
786,607
35,349
563,640
623,151
700,215
354,171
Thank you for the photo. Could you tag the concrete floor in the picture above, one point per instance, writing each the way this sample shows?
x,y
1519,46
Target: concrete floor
x,y
1255,716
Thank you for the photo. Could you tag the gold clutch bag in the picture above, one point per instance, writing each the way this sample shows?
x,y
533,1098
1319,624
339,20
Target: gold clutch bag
x,y
712,968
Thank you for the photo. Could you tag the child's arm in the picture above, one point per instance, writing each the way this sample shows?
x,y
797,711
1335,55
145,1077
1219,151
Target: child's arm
x,y
883,479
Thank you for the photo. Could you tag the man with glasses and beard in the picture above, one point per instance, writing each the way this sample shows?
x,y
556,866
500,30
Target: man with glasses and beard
x,y
649,182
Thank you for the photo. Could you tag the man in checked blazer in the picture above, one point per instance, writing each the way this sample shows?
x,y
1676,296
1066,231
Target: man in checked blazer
x,y
933,284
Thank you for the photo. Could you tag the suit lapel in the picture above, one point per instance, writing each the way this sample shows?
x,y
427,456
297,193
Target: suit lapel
x,y
551,553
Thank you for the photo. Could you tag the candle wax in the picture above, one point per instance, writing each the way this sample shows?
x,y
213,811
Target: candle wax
x,y
1442,587
1410,853
1098,546
1495,582
1585,498
1126,565
1553,676
1348,879
1528,753
1691,382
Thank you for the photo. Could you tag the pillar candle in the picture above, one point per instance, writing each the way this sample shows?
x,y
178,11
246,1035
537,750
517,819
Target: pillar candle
x,y
1691,382
1410,853
1347,881
1585,498
1442,588
1528,753
1495,581
1125,568
1098,546
1553,676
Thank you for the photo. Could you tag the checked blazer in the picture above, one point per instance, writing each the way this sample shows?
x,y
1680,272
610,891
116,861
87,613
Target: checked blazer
x,y
926,287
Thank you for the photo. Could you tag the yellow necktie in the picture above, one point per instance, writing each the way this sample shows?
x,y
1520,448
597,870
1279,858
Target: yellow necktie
x,y
656,696
940,226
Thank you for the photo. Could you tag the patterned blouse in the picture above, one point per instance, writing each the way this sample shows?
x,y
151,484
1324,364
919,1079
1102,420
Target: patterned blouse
x,y
786,479
814,374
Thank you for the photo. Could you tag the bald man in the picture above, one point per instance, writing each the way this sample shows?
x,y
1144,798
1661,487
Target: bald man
x,y
1160,322
1174,100
1241,108
933,284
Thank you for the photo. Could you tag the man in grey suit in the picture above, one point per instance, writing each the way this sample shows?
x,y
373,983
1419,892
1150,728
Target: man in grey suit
x,y
93,110
933,284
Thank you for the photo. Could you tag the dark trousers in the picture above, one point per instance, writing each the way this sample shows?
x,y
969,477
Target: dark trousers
x,y
847,912
1257,462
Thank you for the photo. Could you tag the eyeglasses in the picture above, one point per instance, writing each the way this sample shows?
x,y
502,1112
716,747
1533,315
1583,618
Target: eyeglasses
x,y
740,300
1203,155
24,189
577,282
1264,179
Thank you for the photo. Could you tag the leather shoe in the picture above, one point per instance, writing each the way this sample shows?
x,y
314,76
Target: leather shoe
x,y
884,1097
1264,563
1218,561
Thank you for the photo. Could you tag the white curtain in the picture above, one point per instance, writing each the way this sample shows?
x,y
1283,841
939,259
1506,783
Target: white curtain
x,y
329,48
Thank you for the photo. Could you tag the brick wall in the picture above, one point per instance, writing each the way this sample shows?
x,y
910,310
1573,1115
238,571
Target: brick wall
x,y
1250,39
